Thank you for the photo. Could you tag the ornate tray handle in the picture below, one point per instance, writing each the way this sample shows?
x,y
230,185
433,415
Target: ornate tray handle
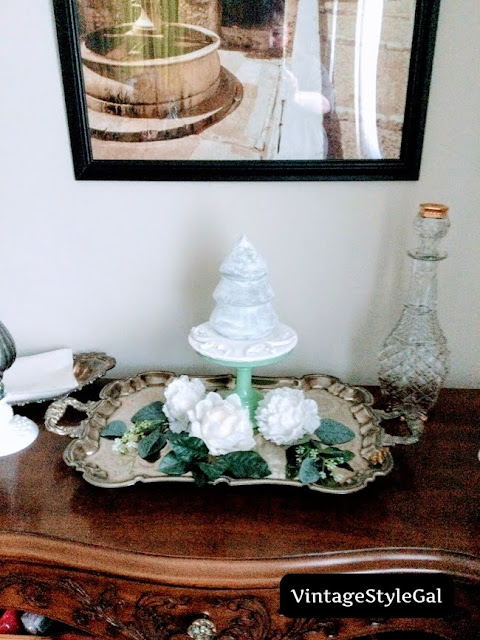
x,y
56,411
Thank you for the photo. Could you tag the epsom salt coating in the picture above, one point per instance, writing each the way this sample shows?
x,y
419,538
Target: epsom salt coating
x,y
362,595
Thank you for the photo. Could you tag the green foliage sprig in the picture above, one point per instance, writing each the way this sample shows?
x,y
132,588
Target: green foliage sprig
x,y
191,454
150,433
313,462
310,461
147,435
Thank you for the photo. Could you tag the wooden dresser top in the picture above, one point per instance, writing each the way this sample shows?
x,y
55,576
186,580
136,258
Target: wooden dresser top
x,y
428,502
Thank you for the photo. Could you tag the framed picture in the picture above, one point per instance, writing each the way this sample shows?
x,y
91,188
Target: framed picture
x,y
246,89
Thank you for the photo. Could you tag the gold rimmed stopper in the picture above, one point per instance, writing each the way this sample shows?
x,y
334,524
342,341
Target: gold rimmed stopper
x,y
433,210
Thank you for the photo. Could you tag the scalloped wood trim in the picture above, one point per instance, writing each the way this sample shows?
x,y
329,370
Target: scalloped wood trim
x,y
231,573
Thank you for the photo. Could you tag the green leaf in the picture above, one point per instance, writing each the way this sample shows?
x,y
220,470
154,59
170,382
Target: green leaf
x,y
246,464
188,449
292,463
308,473
172,466
151,444
153,411
198,475
174,437
333,432
347,455
215,469
333,452
148,426
329,482
329,453
305,440
114,429
345,465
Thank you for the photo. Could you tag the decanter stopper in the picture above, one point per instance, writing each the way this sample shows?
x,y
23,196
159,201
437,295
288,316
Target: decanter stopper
x,y
413,358
431,225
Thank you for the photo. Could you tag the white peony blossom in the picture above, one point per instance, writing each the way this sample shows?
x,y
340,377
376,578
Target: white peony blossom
x,y
285,415
181,396
122,446
224,425
340,475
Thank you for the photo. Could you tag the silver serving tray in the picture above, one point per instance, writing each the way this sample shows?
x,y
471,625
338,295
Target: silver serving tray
x,y
94,457
87,367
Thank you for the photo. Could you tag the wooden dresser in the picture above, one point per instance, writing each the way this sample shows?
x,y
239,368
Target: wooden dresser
x,y
144,562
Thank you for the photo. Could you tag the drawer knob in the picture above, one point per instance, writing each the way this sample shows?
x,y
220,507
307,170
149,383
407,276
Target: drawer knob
x,y
202,629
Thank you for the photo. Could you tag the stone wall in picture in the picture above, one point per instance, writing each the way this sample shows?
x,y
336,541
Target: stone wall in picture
x,y
393,63
99,14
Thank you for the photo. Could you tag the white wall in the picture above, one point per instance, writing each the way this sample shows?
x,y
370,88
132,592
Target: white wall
x,y
128,268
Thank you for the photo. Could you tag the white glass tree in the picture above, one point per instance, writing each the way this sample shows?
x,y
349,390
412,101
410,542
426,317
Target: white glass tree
x,y
243,330
244,310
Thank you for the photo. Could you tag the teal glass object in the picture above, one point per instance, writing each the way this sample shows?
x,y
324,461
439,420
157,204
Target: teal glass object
x,y
249,396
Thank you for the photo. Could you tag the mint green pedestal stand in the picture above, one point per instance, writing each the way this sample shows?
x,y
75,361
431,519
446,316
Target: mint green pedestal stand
x,y
243,355
249,396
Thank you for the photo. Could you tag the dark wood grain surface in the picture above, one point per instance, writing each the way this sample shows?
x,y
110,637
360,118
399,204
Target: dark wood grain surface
x,y
428,502
143,562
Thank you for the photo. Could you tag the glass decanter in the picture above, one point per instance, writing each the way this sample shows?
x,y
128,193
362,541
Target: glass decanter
x,y
413,359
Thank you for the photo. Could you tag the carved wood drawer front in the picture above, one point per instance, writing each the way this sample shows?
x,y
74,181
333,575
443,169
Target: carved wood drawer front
x,y
114,607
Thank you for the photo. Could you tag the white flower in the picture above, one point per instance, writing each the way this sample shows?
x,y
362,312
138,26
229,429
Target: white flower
x,y
128,443
181,396
119,446
285,415
339,475
224,425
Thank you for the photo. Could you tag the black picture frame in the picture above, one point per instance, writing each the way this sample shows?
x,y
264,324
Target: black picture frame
x,y
406,167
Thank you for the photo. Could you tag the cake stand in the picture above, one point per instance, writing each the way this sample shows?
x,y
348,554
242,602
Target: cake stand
x,y
243,355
